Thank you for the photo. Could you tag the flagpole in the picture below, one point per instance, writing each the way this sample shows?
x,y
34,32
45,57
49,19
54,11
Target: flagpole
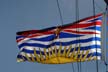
x,y
106,31
97,69
77,21
106,35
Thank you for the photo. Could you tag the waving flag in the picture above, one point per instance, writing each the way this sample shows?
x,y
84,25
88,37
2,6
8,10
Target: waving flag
x,y
74,42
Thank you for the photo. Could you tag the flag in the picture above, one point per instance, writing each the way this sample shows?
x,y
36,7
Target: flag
x,y
75,42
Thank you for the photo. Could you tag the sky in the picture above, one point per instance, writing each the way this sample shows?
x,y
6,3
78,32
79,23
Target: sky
x,y
20,15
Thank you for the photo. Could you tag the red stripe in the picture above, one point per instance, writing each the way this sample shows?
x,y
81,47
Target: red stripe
x,y
18,40
91,17
27,33
62,28
78,32
72,25
44,33
36,35
82,25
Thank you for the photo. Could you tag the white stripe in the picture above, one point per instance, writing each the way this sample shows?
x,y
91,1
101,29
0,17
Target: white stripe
x,y
58,40
28,54
76,33
82,28
73,45
25,39
42,49
91,19
42,36
98,58
85,30
85,22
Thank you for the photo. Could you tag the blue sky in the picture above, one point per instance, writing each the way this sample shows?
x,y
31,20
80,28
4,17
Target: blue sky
x,y
19,15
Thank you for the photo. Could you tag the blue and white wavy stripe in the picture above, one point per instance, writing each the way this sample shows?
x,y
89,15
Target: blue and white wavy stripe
x,y
40,44
51,37
90,48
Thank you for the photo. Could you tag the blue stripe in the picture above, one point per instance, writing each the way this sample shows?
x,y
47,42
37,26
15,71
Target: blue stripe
x,y
68,35
81,48
48,38
93,54
59,43
99,18
52,37
17,37
21,57
94,28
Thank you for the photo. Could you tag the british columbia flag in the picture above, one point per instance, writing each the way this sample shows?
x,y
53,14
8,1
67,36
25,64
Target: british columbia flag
x,y
84,34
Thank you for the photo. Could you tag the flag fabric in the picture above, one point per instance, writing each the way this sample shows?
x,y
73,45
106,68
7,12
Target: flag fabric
x,y
74,42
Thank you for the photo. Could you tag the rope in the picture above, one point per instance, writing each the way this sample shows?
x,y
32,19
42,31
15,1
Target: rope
x,y
77,30
86,69
98,6
80,67
95,34
106,36
61,18
73,68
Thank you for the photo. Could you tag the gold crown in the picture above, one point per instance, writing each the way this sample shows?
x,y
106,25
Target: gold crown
x,y
56,57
